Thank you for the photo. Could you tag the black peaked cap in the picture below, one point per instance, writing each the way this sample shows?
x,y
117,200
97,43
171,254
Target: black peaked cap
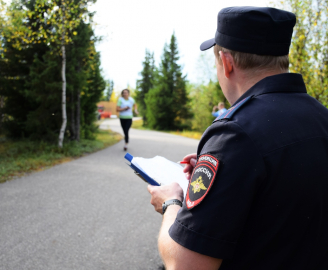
x,y
256,30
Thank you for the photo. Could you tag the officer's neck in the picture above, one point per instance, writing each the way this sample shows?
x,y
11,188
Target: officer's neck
x,y
240,82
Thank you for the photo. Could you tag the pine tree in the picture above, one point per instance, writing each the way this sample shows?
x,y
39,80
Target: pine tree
x,y
80,55
91,94
44,89
167,102
145,84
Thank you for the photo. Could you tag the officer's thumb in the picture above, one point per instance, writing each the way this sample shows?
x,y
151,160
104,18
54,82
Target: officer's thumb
x,y
192,162
150,188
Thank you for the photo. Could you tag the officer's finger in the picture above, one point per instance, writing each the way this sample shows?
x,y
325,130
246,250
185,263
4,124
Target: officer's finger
x,y
188,168
188,157
193,162
150,189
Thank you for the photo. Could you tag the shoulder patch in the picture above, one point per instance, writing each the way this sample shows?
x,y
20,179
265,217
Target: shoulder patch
x,y
231,111
201,180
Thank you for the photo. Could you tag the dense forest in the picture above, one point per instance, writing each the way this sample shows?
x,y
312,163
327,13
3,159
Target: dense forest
x,y
50,77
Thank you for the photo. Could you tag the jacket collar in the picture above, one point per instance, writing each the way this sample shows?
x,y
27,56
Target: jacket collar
x,y
281,83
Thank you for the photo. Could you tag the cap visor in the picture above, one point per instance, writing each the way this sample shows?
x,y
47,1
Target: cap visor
x,y
207,44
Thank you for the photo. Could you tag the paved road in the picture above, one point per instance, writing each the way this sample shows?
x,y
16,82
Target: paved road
x,y
91,213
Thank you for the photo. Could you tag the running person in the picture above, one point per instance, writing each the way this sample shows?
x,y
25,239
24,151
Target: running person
x,y
124,107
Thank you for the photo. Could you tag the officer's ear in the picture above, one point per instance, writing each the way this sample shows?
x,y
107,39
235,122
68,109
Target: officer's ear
x,y
227,63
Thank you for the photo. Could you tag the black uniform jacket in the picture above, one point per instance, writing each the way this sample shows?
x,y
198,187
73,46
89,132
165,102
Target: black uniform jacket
x,y
258,197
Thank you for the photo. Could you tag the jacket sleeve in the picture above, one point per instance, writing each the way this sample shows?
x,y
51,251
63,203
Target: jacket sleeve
x,y
214,225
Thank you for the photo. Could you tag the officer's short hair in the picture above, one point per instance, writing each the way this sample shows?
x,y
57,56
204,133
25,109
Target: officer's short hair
x,y
249,61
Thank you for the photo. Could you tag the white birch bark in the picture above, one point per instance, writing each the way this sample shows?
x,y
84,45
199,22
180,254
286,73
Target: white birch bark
x,y
64,116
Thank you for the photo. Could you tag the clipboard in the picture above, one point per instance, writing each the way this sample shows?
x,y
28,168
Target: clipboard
x,y
145,177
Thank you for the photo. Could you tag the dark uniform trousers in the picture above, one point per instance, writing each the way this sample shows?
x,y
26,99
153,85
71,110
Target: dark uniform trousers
x,y
258,197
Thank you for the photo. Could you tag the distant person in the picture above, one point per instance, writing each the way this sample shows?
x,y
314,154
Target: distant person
x,y
124,107
220,110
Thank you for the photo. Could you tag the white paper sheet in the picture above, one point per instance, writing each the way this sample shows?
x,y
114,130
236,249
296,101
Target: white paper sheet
x,y
162,171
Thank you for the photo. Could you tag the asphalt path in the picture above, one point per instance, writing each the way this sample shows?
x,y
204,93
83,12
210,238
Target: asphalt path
x,y
90,213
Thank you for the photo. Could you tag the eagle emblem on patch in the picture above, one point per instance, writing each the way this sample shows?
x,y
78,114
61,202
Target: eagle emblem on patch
x,y
198,184
201,180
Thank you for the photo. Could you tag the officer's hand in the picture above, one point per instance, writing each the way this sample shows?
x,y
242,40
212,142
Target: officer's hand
x,y
160,194
191,158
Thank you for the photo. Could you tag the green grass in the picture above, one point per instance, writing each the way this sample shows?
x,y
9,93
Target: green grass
x,y
185,133
188,133
24,156
138,124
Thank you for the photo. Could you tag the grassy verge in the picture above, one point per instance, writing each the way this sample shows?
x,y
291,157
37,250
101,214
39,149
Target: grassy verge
x,y
188,133
20,157
138,124
185,133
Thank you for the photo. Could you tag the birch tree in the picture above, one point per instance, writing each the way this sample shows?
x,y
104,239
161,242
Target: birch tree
x,y
63,16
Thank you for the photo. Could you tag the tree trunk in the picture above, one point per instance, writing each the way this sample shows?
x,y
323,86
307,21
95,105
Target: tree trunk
x,y
72,129
78,115
78,107
2,103
64,117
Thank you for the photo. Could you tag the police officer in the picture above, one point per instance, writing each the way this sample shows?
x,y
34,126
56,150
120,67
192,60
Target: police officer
x,y
258,194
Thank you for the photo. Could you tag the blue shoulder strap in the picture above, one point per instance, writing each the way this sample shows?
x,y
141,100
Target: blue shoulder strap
x,y
230,112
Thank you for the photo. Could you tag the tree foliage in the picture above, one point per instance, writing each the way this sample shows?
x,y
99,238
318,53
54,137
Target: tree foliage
x,y
205,67
309,48
145,84
109,90
167,102
14,71
64,17
2,25
52,22
203,98
31,82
